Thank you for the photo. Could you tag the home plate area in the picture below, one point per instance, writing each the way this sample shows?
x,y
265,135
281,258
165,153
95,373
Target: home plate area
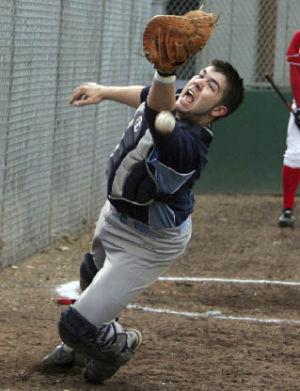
x,y
69,293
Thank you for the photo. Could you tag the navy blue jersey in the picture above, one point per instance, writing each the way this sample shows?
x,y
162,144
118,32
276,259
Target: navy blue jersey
x,y
151,174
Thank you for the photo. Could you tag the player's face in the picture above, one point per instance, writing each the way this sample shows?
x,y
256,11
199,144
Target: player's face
x,y
202,93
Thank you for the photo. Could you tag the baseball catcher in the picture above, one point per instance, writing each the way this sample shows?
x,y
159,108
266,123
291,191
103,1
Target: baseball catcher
x,y
145,224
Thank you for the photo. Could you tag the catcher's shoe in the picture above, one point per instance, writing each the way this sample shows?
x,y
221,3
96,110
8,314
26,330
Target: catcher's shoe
x,y
287,218
97,371
63,355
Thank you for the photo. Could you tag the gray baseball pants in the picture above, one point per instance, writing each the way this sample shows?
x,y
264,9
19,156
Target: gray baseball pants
x,y
130,258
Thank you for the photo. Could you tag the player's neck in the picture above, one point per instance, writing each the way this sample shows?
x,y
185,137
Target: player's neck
x,y
200,119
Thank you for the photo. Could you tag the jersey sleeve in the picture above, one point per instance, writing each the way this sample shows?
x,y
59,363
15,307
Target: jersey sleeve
x,y
293,59
292,53
144,93
181,149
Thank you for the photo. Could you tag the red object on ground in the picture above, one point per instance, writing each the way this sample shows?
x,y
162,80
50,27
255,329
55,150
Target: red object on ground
x,y
65,301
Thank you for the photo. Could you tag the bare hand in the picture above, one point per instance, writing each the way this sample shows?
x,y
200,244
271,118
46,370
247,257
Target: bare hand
x,y
86,94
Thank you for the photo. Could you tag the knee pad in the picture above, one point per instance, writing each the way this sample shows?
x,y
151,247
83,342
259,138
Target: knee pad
x,y
88,270
107,344
76,331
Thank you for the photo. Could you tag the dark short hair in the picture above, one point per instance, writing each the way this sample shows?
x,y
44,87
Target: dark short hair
x,y
234,93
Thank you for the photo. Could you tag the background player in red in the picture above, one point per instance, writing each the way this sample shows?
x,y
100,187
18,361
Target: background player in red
x,y
291,162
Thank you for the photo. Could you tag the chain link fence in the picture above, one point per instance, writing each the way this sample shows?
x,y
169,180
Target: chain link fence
x,y
252,34
53,156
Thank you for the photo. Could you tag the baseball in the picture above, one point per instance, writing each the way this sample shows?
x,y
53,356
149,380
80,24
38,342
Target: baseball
x,y
165,121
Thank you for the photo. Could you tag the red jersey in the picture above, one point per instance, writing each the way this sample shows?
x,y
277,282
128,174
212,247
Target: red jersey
x,y
293,59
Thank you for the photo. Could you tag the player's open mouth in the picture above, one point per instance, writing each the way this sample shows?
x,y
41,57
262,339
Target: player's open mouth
x,y
189,96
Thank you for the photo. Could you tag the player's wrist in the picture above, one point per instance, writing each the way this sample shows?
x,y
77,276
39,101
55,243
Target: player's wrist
x,y
165,73
164,78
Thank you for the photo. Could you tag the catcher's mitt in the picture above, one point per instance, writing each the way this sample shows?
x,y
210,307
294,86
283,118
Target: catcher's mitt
x,y
169,40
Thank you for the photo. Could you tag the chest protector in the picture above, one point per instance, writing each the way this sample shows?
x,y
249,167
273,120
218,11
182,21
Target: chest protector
x,y
137,178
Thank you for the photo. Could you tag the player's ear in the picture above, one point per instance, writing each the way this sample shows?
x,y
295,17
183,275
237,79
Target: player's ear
x,y
219,111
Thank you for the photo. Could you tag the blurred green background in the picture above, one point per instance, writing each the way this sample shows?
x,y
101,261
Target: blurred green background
x,y
246,155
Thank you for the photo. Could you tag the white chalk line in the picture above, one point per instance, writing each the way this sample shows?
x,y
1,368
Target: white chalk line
x,y
228,280
71,290
212,314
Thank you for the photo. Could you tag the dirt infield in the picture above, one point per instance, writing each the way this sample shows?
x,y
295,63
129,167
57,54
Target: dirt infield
x,y
245,338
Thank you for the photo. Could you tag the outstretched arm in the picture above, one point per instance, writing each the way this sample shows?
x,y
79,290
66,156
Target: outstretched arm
x,y
162,93
168,42
91,93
